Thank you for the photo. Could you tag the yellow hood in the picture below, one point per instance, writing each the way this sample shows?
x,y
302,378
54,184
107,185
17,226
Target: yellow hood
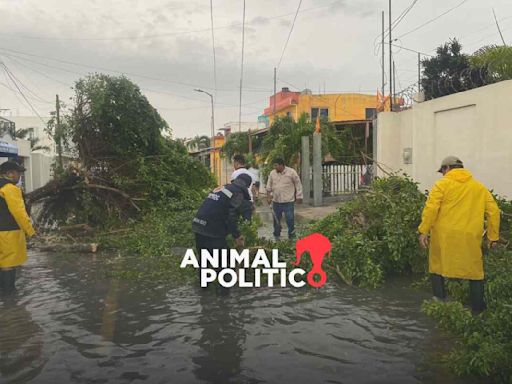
x,y
459,174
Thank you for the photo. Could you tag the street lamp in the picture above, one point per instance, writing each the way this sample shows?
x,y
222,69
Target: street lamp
x,y
213,130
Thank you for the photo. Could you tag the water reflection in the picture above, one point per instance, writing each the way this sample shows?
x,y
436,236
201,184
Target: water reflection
x,y
21,342
68,323
222,338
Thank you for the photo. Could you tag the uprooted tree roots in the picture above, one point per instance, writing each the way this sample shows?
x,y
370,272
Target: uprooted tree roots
x,y
81,198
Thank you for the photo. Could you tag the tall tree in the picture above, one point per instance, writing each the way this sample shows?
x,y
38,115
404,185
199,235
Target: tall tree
x,y
450,71
111,119
123,166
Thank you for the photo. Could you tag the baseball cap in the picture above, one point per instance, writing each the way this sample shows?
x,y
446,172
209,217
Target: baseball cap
x,y
449,161
11,166
245,179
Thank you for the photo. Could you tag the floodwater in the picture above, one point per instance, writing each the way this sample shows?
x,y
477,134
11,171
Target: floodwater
x,y
69,324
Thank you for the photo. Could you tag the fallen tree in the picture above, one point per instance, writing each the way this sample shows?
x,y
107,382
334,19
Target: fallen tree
x,y
122,165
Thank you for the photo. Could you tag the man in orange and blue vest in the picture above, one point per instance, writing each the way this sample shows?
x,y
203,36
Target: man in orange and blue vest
x,y
15,225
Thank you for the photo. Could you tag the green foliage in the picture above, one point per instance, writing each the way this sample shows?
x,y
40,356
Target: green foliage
x,y
506,219
170,175
484,342
124,167
450,71
152,247
374,235
284,139
237,143
198,143
111,119
497,60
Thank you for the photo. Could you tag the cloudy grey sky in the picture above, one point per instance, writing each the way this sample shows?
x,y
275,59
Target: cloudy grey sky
x,y
165,46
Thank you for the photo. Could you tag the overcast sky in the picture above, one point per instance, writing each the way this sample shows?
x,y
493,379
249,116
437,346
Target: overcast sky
x,y
165,46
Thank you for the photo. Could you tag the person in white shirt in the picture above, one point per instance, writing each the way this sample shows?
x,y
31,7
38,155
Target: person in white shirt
x,y
241,168
255,173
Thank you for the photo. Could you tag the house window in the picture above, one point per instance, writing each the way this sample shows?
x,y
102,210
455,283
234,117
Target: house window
x,y
371,113
324,113
288,114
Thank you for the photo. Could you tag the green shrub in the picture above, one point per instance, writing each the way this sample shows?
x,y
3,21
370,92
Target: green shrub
x,y
484,342
374,235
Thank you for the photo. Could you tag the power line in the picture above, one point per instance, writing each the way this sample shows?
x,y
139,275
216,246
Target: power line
x,y
20,91
241,72
35,70
486,37
330,91
289,34
411,50
158,35
223,105
432,20
34,96
214,59
188,85
142,88
403,14
393,26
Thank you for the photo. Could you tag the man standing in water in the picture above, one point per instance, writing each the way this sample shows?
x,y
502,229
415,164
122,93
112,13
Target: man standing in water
x,y
14,225
454,218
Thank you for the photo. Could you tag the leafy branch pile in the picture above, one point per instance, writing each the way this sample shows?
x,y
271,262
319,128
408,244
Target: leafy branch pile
x,y
374,235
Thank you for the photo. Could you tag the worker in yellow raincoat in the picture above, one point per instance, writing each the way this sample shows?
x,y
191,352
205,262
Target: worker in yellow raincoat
x,y
14,225
454,217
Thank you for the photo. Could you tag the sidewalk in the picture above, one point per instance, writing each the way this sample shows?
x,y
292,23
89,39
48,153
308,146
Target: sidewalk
x,y
304,214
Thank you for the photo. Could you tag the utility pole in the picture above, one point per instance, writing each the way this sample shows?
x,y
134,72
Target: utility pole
x,y
58,133
394,85
275,85
214,162
383,66
390,63
419,72
241,73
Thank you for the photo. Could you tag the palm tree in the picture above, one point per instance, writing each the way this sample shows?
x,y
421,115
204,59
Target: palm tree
x,y
28,134
198,143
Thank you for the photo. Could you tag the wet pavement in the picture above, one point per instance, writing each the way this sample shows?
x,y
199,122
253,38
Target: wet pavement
x,y
69,324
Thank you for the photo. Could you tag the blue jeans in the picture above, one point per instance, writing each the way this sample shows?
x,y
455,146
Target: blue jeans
x,y
289,213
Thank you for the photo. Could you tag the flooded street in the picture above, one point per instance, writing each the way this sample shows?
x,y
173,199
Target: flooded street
x,y
68,324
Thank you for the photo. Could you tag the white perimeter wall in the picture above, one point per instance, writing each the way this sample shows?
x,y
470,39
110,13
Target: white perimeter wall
x,y
473,125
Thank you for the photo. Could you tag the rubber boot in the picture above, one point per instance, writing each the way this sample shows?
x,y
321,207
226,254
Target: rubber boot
x,y
8,281
476,295
438,286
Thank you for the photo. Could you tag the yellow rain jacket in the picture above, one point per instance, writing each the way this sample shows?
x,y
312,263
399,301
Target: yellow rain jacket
x,y
14,224
454,216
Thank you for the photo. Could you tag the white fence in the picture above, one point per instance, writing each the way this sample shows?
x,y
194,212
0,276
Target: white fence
x,y
339,179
